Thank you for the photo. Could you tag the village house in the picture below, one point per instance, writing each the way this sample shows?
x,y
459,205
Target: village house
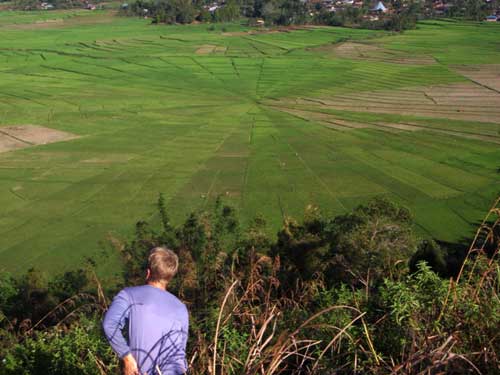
x,y
379,8
212,7
46,6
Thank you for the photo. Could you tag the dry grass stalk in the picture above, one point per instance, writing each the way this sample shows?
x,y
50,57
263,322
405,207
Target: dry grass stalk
x,y
216,337
63,307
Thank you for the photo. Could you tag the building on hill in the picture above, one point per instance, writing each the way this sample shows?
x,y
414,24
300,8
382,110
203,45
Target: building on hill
x,y
379,8
492,18
46,6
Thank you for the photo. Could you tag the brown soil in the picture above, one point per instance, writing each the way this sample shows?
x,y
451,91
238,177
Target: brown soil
x,y
467,101
110,159
63,22
326,119
477,101
405,127
486,75
21,136
8,144
207,49
339,124
47,24
370,52
283,29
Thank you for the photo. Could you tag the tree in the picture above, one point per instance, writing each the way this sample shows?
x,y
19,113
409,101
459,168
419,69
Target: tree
x,y
370,243
431,253
26,4
476,9
34,299
292,12
184,11
68,284
228,12
8,291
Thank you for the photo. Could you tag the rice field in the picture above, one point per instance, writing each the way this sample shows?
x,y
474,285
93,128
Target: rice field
x,y
272,120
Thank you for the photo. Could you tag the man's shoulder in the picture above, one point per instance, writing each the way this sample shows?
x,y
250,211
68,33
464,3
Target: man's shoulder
x,y
177,302
135,292
134,289
131,291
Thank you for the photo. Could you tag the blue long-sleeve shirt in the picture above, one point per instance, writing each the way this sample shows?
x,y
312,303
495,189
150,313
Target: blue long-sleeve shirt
x,y
157,329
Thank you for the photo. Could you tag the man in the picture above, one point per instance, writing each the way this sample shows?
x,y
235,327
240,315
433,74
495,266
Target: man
x,y
157,322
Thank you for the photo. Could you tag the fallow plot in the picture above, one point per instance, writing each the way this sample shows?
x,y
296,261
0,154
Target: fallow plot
x,y
485,75
421,102
371,52
21,136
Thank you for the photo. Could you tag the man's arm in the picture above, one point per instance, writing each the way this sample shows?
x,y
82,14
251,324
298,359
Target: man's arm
x,y
114,321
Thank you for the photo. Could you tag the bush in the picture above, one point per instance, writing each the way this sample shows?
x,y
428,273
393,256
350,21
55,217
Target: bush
x,y
431,253
80,350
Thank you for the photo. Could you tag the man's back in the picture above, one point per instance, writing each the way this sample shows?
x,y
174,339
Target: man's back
x,y
158,329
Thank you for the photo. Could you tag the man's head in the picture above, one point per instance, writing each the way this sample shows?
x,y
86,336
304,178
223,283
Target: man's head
x,y
162,265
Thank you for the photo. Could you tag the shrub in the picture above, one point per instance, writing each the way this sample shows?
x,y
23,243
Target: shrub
x,y
79,350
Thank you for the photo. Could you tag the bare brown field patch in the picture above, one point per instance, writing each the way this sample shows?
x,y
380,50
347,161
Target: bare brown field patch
x,y
45,24
109,159
243,154
405,127
207,49
325,119
282,29
9,144
233,193
469,102
485,75
371,52
21,136
63,22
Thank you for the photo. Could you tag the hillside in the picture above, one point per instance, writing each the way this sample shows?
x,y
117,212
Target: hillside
x,y
355,293
120,110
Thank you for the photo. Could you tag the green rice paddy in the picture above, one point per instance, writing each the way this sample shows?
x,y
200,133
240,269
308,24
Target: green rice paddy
x,y
194,113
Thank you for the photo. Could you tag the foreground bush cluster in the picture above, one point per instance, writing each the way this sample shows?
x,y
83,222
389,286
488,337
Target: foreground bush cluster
x,y
358,293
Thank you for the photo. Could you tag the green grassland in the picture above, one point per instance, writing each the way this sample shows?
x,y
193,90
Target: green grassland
x,y
155,115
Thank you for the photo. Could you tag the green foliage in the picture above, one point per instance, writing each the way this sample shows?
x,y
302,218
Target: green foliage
x,y
302,247
325,17
205,16
431,253
164,11
230,11
476,10
80,350
34,299
371,242
26,4
235,342
418,300
372,324
405,19
8,290
29,5
68,284
279,12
